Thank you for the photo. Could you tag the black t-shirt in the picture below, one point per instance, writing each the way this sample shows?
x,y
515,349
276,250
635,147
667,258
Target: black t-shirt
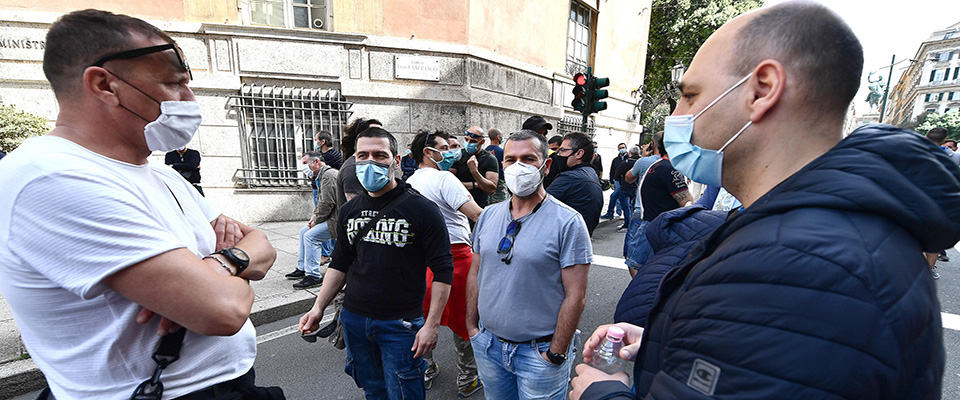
x,y
485,163
659,186
388,272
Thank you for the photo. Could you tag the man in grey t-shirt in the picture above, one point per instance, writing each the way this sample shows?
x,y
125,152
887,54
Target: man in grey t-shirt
x,y
525,294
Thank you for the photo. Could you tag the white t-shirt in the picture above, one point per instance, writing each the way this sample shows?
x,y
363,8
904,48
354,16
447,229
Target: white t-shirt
x,y
72,218
443,188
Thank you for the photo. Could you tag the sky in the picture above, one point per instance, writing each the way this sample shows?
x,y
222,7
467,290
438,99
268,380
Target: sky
x,y
890,27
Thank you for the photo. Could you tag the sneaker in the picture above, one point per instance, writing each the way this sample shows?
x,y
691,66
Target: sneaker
x,y
324,260
470,389
296,274
308,282
943,257
935,274
430,374
622,228
606,216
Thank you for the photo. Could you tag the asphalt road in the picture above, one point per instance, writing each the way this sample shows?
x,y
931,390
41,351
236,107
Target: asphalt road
x,y
315,371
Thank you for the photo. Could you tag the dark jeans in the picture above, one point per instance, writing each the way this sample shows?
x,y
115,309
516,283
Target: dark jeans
x,y
614,201
379,357
626,199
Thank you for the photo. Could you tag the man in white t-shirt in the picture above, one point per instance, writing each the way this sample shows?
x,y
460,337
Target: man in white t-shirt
x,y
103,252
434,156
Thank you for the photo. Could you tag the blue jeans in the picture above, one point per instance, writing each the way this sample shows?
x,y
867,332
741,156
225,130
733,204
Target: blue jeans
x,y
326,248
379,357
636,247
518,371
626,203
614,203
311,239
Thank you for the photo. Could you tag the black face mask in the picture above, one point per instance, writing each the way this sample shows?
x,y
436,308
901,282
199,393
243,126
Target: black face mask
x,y
561,162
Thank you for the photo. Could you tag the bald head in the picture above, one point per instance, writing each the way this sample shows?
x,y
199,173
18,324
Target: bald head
x,y
813,43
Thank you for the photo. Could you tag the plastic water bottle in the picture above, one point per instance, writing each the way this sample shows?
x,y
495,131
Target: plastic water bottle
x,y
606,357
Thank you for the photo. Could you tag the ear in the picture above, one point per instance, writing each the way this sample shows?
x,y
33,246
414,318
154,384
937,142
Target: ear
x,y
546,165
98,82
767,85
397,161
579,154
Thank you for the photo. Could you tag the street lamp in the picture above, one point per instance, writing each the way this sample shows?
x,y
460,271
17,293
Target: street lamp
x,y
676,73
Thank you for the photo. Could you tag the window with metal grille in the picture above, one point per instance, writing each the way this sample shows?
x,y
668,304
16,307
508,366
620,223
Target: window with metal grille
x,y
277,125
579,34
571,124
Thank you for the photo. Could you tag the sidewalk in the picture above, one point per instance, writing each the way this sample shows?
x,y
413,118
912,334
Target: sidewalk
x,y
274,299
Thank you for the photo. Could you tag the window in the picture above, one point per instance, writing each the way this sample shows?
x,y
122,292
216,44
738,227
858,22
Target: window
x,y
940,96
927,97
945,56
277,126
932,73
290,13
579,38
938,75
956,71
950,35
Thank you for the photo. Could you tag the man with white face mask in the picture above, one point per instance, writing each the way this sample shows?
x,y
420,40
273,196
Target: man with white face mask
x,y
817,287
528,281
135,251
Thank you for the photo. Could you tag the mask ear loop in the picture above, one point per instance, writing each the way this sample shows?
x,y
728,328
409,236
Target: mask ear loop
x,y
735,136
744,79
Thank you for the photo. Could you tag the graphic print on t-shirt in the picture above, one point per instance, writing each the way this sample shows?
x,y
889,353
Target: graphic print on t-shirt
x,y
389,231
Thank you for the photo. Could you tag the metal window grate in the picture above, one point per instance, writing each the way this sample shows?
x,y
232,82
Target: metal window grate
x,y
571,124
277,125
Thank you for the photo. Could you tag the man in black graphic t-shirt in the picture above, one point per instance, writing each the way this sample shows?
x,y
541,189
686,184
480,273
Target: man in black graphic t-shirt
x,y
382,313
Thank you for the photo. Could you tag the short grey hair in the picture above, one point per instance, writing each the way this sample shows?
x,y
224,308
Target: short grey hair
x,y
313,155
635,151
526,134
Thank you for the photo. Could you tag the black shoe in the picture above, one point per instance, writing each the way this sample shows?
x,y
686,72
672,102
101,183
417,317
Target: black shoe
x,y
296,274
944,258
308,282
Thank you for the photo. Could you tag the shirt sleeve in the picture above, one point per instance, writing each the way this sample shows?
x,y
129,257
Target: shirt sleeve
x,y
454,193
489,165
575,246
102,228
674,181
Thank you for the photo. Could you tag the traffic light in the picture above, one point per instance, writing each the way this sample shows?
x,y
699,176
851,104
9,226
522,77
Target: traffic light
x,y
597,94
580,81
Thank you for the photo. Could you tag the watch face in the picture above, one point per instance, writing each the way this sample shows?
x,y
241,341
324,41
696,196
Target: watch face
x,y
239,254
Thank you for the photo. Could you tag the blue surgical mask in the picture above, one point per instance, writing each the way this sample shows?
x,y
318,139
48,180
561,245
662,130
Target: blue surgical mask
x,y
457,154
373,175
449,157
622,151
699,164
317,147
471,148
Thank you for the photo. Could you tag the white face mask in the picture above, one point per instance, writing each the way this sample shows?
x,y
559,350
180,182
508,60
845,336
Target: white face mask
x,y
175,127
306,170
523,179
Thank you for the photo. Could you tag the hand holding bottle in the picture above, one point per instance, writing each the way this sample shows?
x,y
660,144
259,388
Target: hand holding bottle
x,y
631,341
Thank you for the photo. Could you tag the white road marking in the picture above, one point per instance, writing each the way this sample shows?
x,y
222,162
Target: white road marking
x,y
612,262
950,321
266,337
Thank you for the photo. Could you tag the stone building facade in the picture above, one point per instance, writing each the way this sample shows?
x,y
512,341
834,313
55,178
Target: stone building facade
x,y
270,73
931,83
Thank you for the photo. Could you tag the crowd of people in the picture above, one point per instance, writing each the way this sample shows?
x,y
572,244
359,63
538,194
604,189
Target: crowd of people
x,y
794,274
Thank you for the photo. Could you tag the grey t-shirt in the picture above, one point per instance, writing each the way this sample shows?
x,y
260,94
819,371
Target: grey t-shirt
x,y
520,301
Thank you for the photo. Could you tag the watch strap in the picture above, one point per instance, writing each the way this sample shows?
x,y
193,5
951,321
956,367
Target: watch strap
x,y
227,253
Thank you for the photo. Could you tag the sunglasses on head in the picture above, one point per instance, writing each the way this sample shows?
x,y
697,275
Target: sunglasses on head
x,y
126,55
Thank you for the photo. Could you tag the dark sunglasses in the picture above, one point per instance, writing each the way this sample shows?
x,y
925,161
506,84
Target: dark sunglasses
x,y
506,244
126,55
474,135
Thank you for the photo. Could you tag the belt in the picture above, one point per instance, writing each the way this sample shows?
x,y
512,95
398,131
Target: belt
x,y
543,339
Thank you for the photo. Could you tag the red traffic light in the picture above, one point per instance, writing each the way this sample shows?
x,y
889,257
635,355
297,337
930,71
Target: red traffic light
x,y
580,79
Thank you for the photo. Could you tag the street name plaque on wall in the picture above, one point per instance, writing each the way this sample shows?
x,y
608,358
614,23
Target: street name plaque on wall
x,y
416,67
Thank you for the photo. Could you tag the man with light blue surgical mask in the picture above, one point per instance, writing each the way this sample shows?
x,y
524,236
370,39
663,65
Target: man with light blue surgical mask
x,y
477,169
389,235
820,274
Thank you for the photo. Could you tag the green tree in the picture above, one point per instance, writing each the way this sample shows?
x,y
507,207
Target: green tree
x,y
679,27
949,121
17,125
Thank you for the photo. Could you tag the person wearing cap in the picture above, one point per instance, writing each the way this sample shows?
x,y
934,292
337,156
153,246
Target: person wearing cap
x,y
477,169
537,124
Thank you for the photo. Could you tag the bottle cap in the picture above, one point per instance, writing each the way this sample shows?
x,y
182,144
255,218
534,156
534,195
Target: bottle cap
x,y
615,332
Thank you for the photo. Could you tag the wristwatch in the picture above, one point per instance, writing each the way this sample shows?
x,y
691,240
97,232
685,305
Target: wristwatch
x,y
556,358
237,257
